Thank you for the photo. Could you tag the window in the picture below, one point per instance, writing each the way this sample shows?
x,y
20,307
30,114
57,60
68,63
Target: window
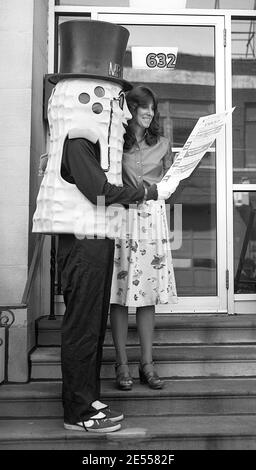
x,y
250,136
245,242
244,100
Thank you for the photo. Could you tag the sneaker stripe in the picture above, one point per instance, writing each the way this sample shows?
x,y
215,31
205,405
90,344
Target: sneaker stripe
x,y
96,425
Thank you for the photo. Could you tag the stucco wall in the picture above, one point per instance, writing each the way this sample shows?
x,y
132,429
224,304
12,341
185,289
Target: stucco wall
x,y
16,42
23,58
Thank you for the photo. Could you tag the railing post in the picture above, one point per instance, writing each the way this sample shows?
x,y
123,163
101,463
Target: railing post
x,y
7,318
59,286
52,278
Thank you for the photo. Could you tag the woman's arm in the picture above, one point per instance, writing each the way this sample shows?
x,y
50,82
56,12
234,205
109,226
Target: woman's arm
x,y
168,158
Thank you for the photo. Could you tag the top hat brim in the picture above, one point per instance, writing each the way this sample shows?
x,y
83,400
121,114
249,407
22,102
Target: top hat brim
x,y
56,77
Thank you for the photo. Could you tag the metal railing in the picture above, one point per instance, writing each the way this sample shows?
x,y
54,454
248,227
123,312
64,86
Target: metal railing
x,y
6,309
7,315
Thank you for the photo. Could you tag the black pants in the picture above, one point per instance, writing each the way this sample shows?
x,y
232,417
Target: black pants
x,y
86,272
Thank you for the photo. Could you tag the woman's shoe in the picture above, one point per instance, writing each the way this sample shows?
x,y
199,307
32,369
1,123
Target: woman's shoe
x,y
123,378
149,376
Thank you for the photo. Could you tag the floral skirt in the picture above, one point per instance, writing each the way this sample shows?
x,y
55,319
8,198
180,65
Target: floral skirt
x,y
143,269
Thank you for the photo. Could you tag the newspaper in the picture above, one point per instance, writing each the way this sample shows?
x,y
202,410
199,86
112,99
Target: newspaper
x,y
198,143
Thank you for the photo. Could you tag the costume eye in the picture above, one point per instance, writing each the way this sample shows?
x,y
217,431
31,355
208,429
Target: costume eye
x,y
99,91
97,108
121,100
84,98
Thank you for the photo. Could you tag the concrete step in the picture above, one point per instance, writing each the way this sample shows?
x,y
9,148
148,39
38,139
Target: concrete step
x,y
219,432
183,360
172,329
178,397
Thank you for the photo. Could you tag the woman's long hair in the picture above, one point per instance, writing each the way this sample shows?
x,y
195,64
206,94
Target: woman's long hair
x,y
141,96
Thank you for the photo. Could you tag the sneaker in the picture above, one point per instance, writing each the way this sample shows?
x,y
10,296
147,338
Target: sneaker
x,y
112,415
97,423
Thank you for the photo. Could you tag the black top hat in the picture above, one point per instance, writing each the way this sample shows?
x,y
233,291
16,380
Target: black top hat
x,y
92,49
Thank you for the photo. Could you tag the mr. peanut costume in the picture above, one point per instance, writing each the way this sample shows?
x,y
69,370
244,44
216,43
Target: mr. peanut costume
x,y
87,113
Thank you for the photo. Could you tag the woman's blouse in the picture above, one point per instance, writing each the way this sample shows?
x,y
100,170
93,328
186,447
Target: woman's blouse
x,y
147,164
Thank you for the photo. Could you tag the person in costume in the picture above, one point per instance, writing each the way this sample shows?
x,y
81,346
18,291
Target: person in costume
x,y
82,184
143,273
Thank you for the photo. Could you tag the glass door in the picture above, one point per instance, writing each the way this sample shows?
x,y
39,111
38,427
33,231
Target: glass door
x,y
194,88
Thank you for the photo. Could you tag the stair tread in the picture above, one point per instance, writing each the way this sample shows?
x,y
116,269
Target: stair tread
x,y
171,320
175,387
132,428
177,352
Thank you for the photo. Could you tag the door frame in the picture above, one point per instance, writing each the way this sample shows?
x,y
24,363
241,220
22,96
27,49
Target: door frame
x,y
237,303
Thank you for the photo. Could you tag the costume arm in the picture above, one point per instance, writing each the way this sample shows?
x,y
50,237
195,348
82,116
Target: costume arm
x,y
91,180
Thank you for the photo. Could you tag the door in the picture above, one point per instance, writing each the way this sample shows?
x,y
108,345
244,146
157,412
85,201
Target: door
x,y
194,88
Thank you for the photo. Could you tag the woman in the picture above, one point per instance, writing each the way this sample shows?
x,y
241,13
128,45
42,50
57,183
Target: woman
x,y
143,272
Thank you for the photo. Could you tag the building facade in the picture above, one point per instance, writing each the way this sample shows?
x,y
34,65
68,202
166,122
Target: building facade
x,y
212,221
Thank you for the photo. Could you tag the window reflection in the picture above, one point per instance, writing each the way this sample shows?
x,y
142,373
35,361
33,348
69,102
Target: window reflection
x,y
244,98
250,136
185,94
245,242
195,262
178,118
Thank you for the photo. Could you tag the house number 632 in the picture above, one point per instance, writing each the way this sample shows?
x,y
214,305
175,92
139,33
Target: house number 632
x,y
160,60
